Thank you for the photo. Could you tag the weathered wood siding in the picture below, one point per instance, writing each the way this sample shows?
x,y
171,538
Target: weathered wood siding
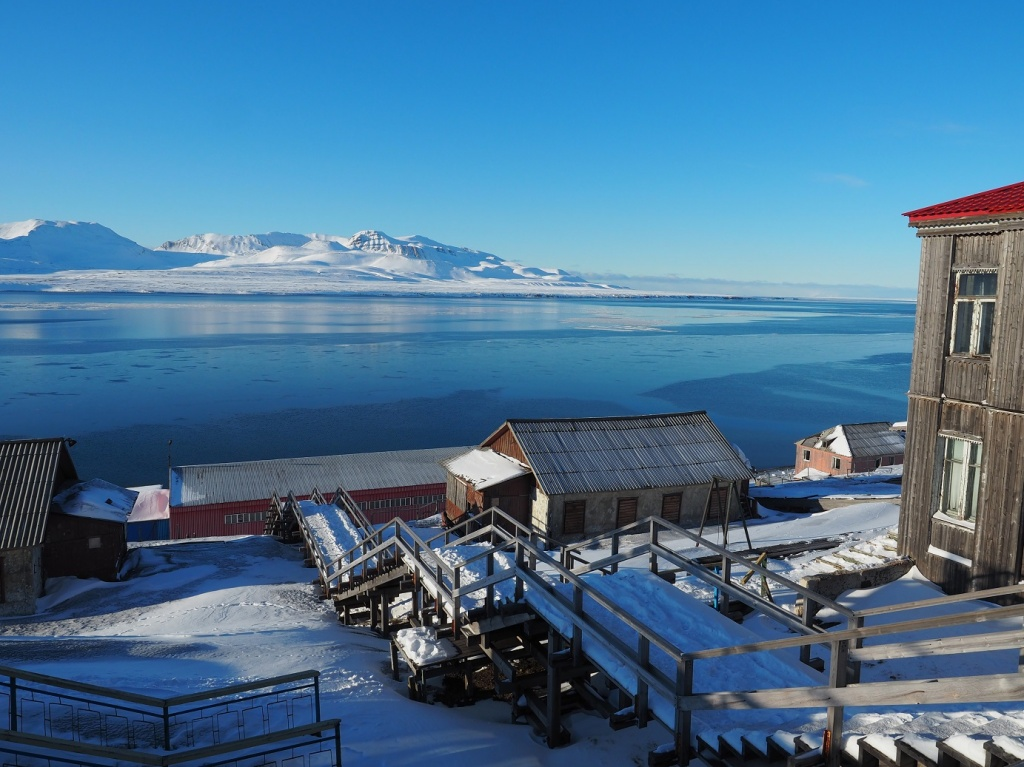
x,y
981,398
977,251
504,442
963,418
918,478
1007,387
931,332
997,554
965,377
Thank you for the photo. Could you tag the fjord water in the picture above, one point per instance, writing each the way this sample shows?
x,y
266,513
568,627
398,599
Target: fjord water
x,y
140,380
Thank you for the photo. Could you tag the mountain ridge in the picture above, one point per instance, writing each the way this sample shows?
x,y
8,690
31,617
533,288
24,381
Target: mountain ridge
x,y
39,246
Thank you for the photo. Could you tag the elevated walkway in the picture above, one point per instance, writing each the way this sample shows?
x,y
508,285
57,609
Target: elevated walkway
x,y
599,624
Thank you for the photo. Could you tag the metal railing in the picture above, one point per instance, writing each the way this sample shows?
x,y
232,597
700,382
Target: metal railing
x,y
74,722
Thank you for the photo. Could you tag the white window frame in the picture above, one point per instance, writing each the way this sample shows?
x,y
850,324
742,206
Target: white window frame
x,y
981,308
960,478
837,463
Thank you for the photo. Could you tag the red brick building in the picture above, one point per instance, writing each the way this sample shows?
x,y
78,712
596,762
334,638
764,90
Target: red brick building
x,y
850,448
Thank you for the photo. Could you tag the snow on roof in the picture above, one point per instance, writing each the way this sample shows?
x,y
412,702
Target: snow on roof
x,y
152,504
96,499
859,440
483,468
593,455
1004,200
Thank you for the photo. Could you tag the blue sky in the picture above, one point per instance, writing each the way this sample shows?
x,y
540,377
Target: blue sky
x,y
749,141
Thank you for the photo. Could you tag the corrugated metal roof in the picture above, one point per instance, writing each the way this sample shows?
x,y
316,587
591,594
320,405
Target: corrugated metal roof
x,y
28,471
1004,200
859,440
593,455
258,480
870,439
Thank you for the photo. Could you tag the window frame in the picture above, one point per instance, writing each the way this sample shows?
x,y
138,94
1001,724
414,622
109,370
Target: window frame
x,y
837,463
974,336
963,470
575,506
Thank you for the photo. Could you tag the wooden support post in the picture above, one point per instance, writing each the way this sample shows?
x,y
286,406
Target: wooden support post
x,y
810,608
373,612
684,687
577,632
554,698
385,617
641,703
723,599
615,551
490,587
394,660
840,656
854,678
653,537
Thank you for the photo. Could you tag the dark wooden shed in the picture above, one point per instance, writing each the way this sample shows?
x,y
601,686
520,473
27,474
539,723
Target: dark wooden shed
x,y
964,469
32,471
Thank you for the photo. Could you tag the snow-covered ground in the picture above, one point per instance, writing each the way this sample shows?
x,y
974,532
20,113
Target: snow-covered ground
x,y
204,614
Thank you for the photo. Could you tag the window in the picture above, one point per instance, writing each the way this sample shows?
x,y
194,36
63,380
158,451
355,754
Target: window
x,y
836,464
807,455
973,313
574,517
626,512
961,471
670,505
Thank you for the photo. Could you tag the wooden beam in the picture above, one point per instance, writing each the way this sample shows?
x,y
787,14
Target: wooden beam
x,y
992,688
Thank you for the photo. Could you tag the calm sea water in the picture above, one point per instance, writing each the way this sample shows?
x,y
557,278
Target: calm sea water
x,y
247,377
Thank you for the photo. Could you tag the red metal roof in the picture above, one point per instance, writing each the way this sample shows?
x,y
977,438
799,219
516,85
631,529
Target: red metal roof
x,y
1005,199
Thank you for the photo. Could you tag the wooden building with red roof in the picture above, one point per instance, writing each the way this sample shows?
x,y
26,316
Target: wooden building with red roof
x,y
963,487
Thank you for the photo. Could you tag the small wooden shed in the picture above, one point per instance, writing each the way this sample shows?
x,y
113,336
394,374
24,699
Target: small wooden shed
x,y
576,477
32,471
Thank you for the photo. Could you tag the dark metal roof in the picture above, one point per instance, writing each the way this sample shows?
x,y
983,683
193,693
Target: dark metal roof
x,y
29,470
870,439
257,480
593,455
859,440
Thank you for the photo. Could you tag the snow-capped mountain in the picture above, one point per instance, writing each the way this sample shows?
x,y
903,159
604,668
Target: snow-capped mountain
x,y
258,262
39,247
367,254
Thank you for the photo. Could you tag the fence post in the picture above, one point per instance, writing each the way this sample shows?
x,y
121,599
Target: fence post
x,y
615,551
833,744
653,543
167,727
316,692
641,702
577,632
684,688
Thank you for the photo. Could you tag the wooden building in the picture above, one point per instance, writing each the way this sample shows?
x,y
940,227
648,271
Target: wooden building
x,y
221,499
849,448
87,532
49,526
964,473
577,477
32,471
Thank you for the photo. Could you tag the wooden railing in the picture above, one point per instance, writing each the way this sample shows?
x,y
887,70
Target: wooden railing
x,y
74,723
668,695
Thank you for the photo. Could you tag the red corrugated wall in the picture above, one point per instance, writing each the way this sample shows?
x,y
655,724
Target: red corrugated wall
x,y
208,520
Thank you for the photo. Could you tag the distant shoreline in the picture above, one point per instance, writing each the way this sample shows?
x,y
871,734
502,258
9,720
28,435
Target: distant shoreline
x,y
260,282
